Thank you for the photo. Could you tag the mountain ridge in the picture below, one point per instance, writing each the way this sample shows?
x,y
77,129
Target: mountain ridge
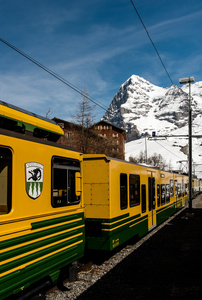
x,y
141,108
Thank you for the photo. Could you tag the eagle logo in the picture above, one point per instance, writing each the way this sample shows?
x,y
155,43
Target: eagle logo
x,y
34,179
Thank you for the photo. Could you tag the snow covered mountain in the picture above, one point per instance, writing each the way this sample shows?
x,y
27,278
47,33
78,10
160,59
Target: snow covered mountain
x,y
142,108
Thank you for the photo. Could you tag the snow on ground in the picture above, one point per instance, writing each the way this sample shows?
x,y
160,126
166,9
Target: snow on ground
x,y
170,149
171,154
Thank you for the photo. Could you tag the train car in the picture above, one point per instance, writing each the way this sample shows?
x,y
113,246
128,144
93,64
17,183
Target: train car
x,y
41,204
196,186
123,199
200,185
181,190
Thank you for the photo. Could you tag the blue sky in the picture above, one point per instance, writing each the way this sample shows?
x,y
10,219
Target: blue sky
x,y
96,45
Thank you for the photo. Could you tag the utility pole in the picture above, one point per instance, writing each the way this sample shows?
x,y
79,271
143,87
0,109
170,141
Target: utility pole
x,y
146,149
183,81
154,137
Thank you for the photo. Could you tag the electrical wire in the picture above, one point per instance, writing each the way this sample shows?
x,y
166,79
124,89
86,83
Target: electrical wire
x,y
167,150
152,42
69,84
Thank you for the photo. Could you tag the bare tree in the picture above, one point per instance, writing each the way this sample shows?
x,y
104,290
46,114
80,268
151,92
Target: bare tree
x,y
85,118
48,113
155,160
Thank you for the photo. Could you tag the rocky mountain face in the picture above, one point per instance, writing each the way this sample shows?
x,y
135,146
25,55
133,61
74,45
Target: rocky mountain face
x,y
141,107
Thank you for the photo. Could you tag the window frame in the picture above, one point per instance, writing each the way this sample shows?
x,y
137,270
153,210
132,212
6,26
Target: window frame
x,y
183,187
6,208
158,188
186,187
179,189
152,192
71,165
167,192
143,198
163,195
123,192
171,188
176,187
134,190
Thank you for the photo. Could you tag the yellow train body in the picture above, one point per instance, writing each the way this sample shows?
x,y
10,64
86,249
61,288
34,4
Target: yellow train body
x,y
17,119
41,216
123,199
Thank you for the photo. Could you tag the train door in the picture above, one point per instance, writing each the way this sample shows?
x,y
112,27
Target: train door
x,y
151,201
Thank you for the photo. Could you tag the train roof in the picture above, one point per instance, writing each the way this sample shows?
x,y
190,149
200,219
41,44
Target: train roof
x,y
16,119
108,159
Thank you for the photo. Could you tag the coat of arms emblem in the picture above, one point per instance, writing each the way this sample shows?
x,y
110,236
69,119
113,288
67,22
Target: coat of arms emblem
x,y
34,179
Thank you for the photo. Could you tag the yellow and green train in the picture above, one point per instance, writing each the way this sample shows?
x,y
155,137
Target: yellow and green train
x,y
54,201
123,200
41,204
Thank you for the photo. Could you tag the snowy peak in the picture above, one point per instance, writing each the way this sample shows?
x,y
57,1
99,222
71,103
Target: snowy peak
x,y
173,107
141,107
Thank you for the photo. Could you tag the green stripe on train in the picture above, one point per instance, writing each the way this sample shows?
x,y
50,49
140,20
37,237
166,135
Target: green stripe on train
x,y
54,221
109,239
24,276
36,245
20,279
112,220
121,222
165,212
36,255
34,235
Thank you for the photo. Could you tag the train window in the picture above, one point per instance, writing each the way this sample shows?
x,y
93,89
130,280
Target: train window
x,y
183,187
5,180
176,188
171,188
143,187
163,194
158,195
134,189
151,186
123,191
186,188
179,190
167,193
64,182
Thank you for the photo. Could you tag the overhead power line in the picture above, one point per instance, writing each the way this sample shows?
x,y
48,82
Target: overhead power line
x,y
76,89
167,149
152,42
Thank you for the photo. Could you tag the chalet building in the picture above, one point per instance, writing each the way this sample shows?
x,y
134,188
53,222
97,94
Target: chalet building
x,y
114,134
113,144
71,132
